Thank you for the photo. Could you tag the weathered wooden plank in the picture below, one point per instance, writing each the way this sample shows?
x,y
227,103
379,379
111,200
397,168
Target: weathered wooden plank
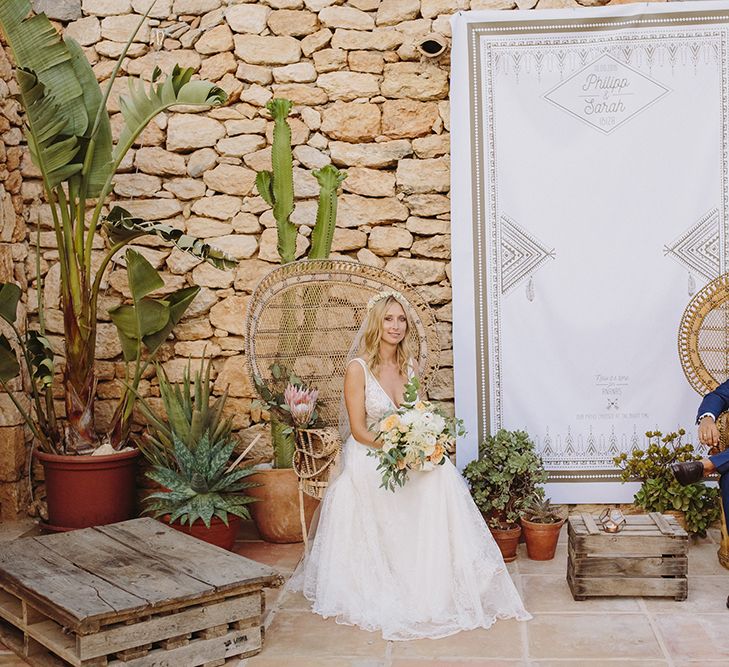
x,y
218,568
628,545
56,586
647,566
127,569
634,586
661,523
165,627
14,639
199,652
590,524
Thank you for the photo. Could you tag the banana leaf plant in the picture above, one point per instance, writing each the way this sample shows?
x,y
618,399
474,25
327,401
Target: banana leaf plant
x,y
68,131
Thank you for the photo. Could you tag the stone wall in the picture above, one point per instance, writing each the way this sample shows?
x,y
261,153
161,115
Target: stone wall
x,y
365,99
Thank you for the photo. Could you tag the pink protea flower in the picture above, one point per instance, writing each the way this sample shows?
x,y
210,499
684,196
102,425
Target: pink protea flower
x,y
301,403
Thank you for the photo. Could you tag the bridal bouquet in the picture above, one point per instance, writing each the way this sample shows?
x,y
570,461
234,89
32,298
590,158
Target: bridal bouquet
x,y
416,436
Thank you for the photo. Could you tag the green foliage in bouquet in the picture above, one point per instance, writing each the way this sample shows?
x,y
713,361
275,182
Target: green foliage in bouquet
x,y
201,485
660,491
504,479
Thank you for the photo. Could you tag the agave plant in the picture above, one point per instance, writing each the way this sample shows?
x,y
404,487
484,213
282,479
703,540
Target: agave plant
x,y
201,485
68,132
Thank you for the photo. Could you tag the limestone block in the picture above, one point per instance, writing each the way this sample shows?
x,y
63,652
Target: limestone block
x,y
269,238
365,5
345,240
136,185
234,378
260,160
58,10
197,349
353,122
86,31
245,223
207,227
366,256
189,131
346,17
206,275
257,50
247,18
161,9
215,40
305,185
120,282
355,211
428,205
12,453
212,19
185,188
165,60
378,155
222,207
7,269
441,387
436,295
379,39
240,246
416,80
370,182
296,73
110,49
317,40
424,176
201,304
107,7
301,93
408,118
417,271
438,247
318,141
387,240
442,25
310,157
107,341
256,95
432,145
250,273
428,226
295,23
119,28
152,209
197,329
200,161
392,12
180,263
245,126
214,67
240,145
349,85
330,60
155,160
366,61
195,7
432,8
14,499
229,314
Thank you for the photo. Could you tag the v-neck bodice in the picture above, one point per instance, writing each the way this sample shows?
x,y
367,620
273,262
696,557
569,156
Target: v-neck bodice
x,y
377,401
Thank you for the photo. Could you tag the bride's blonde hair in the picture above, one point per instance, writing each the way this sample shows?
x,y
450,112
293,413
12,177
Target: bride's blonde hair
x,y
370,346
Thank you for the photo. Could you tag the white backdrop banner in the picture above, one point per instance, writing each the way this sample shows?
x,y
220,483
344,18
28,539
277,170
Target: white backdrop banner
x,y
589,185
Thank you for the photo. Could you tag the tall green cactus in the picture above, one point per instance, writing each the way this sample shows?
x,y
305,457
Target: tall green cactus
x,y
277,186
330,178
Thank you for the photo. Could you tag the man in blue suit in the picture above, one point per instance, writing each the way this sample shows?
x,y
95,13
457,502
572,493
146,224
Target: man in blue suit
x,y
689,472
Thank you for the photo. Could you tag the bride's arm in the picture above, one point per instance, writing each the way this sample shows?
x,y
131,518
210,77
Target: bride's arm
x,y
354,400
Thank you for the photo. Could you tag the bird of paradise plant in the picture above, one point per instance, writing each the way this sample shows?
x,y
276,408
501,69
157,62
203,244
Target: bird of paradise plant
x,y
68,132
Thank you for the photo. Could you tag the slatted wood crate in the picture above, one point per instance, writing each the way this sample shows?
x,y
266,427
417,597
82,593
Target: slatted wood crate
x,y
647,558
137,593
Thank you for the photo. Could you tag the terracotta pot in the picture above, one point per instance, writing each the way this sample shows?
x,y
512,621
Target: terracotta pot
x,y
218,534
85,491
276,512
541,538
508,541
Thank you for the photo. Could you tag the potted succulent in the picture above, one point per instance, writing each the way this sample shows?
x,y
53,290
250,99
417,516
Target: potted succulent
x,y
68,132
541,523
503,481
189,444
292,405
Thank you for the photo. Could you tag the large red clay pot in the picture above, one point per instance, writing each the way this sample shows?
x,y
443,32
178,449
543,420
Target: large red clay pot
x,y
541,538
276,512
508,540
85,491
218,534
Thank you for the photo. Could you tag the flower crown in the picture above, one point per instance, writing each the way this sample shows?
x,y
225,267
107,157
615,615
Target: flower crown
x,y
386,294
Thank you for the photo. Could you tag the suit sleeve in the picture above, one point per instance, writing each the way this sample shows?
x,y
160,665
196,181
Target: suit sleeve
x,y
716,401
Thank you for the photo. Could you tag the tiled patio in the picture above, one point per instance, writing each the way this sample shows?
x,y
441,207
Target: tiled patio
x,y
593,633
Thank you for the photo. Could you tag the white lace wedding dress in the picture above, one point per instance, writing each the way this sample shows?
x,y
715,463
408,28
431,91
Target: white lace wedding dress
x,y
413,563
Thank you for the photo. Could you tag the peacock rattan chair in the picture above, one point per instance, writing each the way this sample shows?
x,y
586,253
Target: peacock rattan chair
x,y
703,346
304,316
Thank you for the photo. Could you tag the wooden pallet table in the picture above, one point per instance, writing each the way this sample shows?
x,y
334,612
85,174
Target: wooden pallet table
x,y
136,593
649,557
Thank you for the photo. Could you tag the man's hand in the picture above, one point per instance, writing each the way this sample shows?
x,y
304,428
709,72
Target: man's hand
x,y
708,433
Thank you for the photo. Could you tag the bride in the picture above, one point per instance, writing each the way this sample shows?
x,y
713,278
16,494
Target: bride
x,y
413,563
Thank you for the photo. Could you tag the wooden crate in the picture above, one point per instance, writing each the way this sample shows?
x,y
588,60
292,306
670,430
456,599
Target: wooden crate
x,y
137,593
647,558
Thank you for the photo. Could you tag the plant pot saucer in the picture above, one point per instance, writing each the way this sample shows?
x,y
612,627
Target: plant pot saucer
x,y
50,528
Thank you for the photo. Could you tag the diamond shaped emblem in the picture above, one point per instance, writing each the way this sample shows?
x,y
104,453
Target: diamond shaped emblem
x,y
606,93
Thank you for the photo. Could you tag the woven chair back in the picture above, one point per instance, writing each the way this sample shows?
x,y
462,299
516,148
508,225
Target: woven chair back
x,y
304,316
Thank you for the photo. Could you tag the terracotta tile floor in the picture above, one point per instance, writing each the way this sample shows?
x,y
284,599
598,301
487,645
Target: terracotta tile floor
x,y
645,632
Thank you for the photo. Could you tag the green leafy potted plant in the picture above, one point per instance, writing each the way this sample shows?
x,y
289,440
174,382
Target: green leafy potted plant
x,y
503,481
68,132
189,445
697,503
291,405
541,523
